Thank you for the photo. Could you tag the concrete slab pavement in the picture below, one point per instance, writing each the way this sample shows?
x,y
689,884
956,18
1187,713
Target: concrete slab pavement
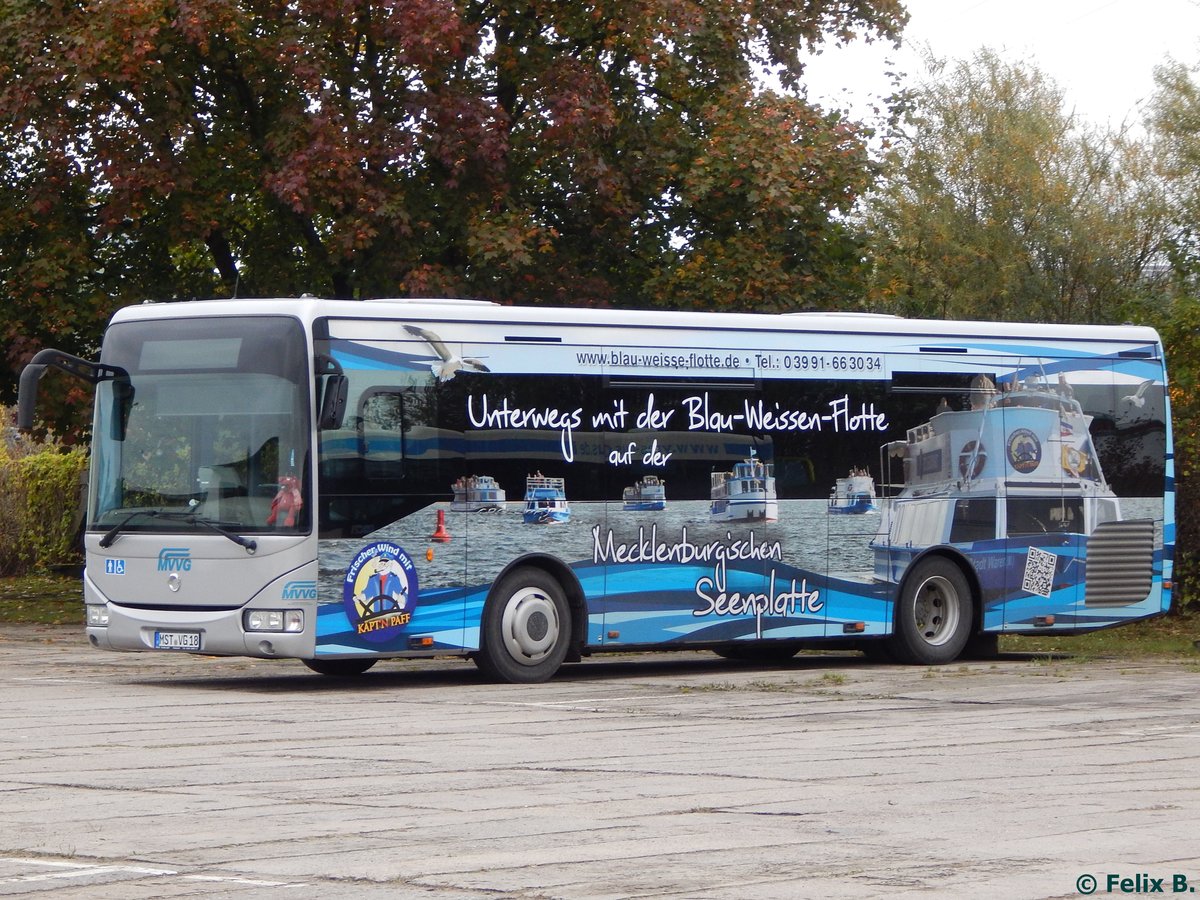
x,y
654,776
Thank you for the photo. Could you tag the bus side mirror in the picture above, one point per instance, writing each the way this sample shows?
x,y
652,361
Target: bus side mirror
x,y
91,372
27,395
122,392
333,403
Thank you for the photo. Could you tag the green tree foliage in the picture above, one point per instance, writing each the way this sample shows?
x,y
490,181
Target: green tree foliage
x,y
997,204
523,150
1174,134
1174,123
762,210
1179,325
40,503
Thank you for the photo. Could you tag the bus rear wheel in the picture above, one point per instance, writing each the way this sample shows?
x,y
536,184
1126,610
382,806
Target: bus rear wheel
x,y
526,628
339,668
933,615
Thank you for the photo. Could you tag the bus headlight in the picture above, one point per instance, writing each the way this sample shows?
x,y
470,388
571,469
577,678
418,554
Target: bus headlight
x,y
286,620
97,614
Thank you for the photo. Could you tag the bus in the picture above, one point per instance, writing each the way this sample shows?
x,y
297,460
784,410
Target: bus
x,y
344,481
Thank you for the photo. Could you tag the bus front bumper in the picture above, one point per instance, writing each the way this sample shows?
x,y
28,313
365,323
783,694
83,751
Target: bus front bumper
x,y
211,632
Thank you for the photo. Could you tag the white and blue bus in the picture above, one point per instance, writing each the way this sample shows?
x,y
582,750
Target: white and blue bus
x,y
347,481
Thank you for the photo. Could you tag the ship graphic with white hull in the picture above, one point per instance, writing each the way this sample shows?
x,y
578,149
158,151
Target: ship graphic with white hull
x,y
745,494
647,494
478,493
1017,469
546,501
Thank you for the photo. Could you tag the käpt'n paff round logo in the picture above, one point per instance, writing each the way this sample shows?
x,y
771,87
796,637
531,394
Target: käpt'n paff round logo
x,y
1024,450
380,591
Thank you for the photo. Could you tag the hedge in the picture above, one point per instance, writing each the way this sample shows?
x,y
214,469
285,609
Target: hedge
x,y
41,504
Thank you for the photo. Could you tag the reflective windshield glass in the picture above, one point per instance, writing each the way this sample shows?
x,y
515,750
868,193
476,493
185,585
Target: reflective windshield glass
x,y
211,427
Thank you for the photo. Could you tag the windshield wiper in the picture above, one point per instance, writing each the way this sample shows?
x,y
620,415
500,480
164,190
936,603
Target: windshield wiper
x,y
250,544
111,534
189,517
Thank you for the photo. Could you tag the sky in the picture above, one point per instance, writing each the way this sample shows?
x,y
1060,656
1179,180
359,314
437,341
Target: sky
x,y
1102,53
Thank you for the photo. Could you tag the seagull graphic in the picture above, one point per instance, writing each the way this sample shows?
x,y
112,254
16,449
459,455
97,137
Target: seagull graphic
x,y
1138,397
451,363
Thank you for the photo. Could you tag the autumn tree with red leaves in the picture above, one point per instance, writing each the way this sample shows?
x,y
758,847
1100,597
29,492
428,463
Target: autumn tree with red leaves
x,y
535,151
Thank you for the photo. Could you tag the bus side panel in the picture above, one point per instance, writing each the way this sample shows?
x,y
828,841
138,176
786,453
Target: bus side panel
x,y
699,508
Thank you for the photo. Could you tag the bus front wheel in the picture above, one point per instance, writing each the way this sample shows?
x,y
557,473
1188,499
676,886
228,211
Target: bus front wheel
x,y
526,628
933,615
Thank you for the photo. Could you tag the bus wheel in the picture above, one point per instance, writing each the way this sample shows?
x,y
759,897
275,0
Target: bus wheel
x,y
339,668
526,628
933,615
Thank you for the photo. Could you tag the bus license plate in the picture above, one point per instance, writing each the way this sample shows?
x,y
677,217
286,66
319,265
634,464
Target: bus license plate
x,y
176,640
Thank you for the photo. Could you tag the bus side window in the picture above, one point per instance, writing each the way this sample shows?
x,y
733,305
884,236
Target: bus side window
x,y
974,520
1044,515
380,425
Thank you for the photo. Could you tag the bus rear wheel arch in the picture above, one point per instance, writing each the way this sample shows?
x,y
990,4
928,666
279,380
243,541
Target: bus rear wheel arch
x,y
526,628
935,613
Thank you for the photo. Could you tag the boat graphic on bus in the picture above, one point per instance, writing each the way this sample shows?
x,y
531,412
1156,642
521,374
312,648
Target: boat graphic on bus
x,y
477,493
745,494
1016,482
854,494
546,501
647,494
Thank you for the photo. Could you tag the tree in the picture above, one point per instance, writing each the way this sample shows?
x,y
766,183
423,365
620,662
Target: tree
x,y
1174,133
1174,123
761,212
523,150
996,203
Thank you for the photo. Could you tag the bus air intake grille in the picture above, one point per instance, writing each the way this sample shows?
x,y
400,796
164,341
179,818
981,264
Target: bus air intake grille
x,y
1120,563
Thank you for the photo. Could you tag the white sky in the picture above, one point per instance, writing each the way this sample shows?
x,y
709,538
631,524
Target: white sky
x,y
1101,52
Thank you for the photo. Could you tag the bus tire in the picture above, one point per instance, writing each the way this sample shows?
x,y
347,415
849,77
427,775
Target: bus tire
x,y
933,615
339,668
526,628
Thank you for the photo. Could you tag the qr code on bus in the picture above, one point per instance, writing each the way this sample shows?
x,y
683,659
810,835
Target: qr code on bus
x,y
1039,572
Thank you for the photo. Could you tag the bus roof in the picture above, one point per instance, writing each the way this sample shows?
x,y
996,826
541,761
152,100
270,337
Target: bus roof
x,y
307,309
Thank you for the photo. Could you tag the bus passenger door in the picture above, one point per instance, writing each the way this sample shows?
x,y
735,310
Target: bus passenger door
x,y
410,457
385,489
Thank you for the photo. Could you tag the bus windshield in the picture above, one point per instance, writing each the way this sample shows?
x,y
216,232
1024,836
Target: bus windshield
x,y
211,427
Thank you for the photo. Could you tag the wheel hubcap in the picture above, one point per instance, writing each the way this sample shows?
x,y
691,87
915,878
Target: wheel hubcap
x,y
935,612
530,626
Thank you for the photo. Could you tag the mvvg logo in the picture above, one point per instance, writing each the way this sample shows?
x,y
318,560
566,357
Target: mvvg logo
x,y
175,559
300,590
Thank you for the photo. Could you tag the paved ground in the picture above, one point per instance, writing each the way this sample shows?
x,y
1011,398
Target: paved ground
x,y
137,776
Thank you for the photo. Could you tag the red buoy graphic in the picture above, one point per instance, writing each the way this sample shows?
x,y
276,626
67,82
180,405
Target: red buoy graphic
x,y
440,534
